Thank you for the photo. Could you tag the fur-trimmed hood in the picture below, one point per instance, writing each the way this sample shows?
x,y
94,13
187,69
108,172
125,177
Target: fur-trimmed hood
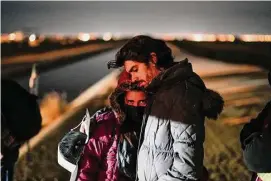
x,y
116,98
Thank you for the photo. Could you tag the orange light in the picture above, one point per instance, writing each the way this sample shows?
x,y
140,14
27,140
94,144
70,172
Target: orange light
x,y
221,38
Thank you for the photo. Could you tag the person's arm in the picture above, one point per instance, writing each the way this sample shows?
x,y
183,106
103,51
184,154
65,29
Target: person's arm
x,y
254,127
257,152
257,147
90,161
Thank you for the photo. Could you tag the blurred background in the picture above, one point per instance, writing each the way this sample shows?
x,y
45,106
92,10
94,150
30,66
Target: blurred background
x,y
59,51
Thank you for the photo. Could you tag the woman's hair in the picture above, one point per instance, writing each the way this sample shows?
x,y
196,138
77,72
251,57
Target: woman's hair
x,y
140,48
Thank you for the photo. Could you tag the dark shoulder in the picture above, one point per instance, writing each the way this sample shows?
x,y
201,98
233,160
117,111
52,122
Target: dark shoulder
x,y
180,102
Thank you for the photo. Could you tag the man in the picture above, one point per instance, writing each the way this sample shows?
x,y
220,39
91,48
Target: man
x,y
255,139
172,143
20,120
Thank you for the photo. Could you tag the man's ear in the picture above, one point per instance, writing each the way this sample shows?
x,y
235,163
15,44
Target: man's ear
x,y
153,58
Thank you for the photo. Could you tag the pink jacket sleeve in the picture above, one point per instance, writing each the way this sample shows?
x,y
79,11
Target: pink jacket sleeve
x,y
91,157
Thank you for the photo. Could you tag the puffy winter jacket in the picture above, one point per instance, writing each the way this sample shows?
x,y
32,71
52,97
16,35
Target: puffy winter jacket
x,y
108,156
98,162
172,148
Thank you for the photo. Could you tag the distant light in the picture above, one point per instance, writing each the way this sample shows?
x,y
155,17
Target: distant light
x,y
231,38
261,38
32,37
268,38
198,37
93,36
117,36
41,38
84,37
19,36
221,38
180,38
168,37
12,36
211,38
107,36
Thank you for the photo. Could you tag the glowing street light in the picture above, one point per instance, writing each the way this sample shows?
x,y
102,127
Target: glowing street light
x,y
12,36
198,37
107,36
84,37
32,37
231,38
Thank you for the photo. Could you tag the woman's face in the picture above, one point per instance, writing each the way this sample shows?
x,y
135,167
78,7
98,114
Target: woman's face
x,y
136,98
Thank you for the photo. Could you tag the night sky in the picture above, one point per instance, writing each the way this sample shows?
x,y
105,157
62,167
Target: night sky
x,y
143,17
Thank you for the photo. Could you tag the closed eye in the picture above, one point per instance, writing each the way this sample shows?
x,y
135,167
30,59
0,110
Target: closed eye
x,y
133,69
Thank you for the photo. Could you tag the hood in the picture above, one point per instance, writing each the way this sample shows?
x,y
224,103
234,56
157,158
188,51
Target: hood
x,y
212,102
116,99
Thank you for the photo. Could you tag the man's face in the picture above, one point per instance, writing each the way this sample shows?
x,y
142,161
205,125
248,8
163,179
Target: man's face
x,y
139,72
136,98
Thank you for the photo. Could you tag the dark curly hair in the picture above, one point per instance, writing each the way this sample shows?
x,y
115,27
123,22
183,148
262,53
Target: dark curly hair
x,y
139,48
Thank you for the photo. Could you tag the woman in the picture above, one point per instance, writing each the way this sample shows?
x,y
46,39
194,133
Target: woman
x,y
110,154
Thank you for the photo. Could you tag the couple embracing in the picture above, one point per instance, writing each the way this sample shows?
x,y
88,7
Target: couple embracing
x,y
154,128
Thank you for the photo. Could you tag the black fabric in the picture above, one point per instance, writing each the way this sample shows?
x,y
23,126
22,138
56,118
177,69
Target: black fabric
x,y
179,72
181,86
128,143
255,139
255,125
7,173
127,154
72,145
20,109
178,86
269,78
20,121
134,113
257,153
133,119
